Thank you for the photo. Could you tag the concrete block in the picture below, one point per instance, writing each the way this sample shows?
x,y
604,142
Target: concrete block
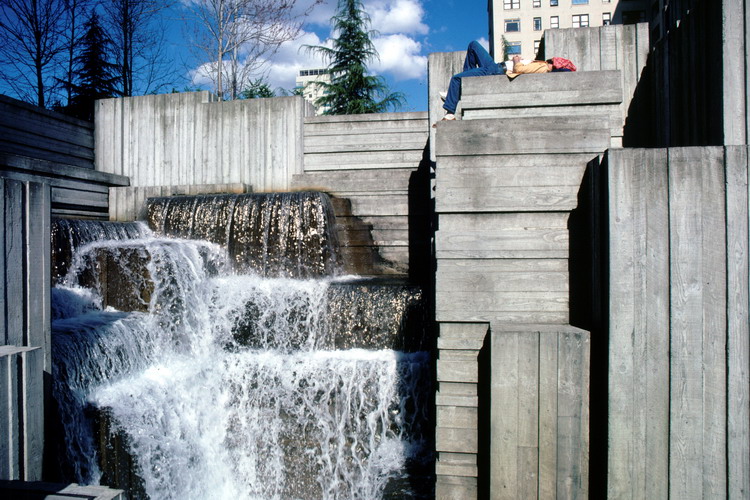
x,y
456,440
456,464
503,235
457,417
455,488
522,136
536,90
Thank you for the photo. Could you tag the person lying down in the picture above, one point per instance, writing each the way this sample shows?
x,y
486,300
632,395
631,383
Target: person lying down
x,y
520,66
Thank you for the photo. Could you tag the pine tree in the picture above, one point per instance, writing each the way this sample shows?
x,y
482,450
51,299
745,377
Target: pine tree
x,y
352,90
94,75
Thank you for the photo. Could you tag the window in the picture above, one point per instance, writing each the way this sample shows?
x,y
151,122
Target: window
x,y
537,4
537,43
512,25
511,4
537,24
554,22
606,19
553,3
580,2
513,48
581,21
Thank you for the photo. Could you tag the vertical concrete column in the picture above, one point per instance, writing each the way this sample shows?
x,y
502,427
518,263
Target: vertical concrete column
x,y
25,359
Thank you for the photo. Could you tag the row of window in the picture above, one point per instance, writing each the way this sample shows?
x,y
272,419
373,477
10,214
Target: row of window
x,y
516,4
579,21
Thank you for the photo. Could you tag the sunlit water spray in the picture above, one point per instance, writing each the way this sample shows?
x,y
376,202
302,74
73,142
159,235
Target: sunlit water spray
x,y
238,386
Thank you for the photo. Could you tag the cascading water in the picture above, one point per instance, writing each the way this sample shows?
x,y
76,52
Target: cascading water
x,y
240,385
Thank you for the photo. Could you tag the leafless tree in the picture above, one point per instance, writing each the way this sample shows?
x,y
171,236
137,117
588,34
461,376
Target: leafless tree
x,y
234,38
30,47
137,32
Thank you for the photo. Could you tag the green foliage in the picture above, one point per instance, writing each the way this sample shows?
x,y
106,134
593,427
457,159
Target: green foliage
x,y
94,76
352,90
257,88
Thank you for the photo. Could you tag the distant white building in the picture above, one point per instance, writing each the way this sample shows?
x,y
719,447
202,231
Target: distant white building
x,y
522,22
311,92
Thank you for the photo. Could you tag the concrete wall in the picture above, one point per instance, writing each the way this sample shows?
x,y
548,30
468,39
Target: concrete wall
x,y
677,295
25,364
188,139
28,130
45,147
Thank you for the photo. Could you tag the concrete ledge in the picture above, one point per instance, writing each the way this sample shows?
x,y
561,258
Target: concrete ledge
x,y
503,235
535,90
523,136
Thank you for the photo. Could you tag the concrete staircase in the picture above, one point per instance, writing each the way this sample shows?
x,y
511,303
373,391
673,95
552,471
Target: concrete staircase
x,y
513,375
371,161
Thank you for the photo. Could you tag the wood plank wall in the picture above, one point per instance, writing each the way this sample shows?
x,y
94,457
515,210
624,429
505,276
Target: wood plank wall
x,y
188,139
679,358
25,326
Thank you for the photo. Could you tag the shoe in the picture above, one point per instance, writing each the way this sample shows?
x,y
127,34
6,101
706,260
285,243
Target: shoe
x,y
443,95
449,117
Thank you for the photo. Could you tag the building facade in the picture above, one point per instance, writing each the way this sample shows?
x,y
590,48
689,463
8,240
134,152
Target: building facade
x,y
516,26
307,79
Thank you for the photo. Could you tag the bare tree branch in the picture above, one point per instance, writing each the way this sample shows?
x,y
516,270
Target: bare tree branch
x,y
30,46
235,38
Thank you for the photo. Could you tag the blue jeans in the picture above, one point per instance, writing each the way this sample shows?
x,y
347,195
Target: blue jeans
x,y
477,63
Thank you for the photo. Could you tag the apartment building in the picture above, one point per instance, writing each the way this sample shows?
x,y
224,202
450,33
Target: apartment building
x,y
516,26
311,92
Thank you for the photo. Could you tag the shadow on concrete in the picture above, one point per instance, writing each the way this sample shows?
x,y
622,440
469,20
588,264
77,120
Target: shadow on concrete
x,y
589,285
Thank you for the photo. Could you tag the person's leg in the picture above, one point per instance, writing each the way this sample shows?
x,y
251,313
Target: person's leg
x,y
454,88
478,57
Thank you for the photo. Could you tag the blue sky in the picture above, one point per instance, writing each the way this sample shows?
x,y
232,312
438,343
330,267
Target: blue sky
x,y
409,31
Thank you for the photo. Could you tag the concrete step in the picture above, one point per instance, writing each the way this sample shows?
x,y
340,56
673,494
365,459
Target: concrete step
x,y
523,136
363,160
358,142
354,181
510,183
538,90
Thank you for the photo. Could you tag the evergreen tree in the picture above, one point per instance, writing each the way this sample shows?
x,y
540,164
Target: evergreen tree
x,y
352,90
95,74
257,89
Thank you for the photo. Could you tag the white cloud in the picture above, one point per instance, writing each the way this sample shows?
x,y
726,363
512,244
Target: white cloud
x,y
400,53
400,56
397,16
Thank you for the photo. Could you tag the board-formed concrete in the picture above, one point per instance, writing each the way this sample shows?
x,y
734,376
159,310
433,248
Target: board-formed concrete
x,y
679,384
190,138
25,353
377,163
513,375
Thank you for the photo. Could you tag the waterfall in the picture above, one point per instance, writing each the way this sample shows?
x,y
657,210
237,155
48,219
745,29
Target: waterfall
x,y
226,378
272,234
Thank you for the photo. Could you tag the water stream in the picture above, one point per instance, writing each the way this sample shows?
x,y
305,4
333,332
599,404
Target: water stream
x,y
230,379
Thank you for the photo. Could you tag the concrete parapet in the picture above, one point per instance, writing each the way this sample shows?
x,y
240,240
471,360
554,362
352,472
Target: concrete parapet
x,y
188,138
